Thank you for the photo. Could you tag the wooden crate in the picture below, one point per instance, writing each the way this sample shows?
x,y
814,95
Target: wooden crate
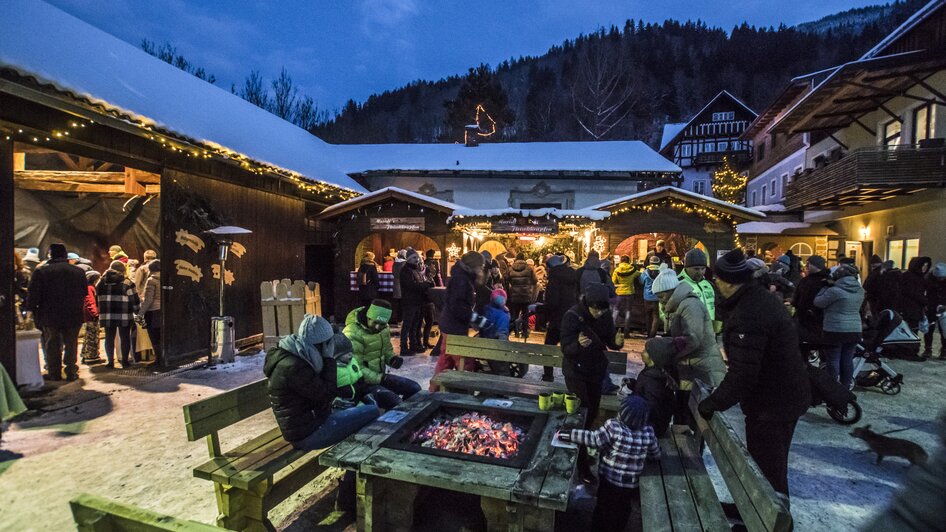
x,y
284,304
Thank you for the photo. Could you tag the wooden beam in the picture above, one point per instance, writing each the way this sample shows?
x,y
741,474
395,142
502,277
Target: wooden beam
x,y
27,184
70,162
19,160
131,183
117,178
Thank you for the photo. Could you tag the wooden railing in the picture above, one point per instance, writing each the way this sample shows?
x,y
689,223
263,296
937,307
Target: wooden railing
x,y
868,174
734,157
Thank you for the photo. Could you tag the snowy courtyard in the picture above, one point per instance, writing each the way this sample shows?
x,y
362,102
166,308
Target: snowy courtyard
x,y
122,437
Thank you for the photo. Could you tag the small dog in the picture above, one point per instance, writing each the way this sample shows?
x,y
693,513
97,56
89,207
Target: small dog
x,y
886,446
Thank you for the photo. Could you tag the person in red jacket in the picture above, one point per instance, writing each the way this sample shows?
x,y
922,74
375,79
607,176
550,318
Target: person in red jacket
x,y
90,313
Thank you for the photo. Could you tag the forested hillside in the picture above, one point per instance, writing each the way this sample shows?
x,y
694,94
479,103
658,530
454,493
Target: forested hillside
x,y
618,83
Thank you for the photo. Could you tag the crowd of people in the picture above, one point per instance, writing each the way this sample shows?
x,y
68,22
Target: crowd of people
x,y
63,295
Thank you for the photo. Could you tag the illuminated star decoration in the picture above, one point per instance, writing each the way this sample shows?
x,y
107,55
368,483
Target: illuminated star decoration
x,y
480,112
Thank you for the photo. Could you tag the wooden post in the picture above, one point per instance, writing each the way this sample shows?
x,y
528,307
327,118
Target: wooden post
x,y
7,306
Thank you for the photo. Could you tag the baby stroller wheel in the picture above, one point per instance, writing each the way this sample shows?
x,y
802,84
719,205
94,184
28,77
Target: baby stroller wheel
x,y
847,416
890,387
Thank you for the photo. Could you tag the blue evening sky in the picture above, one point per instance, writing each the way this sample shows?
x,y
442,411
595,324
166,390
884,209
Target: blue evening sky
x,y
336,50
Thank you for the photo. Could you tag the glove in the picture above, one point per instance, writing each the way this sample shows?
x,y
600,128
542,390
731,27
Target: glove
x,y
705,409
396,362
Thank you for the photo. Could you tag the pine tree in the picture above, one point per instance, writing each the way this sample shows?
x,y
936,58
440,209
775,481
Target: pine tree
x,y
480,88
728,184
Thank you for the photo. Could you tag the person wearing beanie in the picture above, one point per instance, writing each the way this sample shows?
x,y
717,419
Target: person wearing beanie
x,y
90,312
625,283
660,251
31,260
118,304
367,329
587,332
808,317
151,304
522,283
561,292
694,274
651,302
457,315
591,272
841,303
666,281
625,442
935,298
766,376
57,293
302,385
497,315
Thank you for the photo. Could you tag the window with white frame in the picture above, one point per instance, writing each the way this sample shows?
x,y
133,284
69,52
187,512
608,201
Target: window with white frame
x,y
699,187
901,251
685,150
802,250
924,122
721,117
892,133
772,190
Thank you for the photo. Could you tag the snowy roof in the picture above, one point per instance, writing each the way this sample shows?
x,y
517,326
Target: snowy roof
x,y
783,228
55,48
686,195
666,141
670,130
772,207
609,156
589,214
921,14
386,193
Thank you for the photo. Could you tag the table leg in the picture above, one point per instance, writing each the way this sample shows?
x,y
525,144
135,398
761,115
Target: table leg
x,y
506,516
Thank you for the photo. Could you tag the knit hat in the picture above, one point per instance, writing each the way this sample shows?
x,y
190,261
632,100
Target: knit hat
x,y
313,331
843,270
817,261
596,295
847,260
785,259
732,268
634,412
118,266
91,276
661,351
694,257
654,259
556,260
379,310
57,251
498,292
72,256
667,280
473,260
939,271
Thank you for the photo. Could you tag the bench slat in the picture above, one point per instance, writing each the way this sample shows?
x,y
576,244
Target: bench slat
x,y
654,511
704,494
210,470
679,497
502,345
220,411
525,353
95,514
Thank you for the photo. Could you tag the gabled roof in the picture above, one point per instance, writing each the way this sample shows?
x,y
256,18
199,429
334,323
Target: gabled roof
x,y
649,196
385,194
670,130
722,94
81,62
921,15
608,156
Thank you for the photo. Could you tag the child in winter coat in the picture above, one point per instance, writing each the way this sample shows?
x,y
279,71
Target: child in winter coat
x,y
352,388
624,443
497,315
90,312
367,329
655,386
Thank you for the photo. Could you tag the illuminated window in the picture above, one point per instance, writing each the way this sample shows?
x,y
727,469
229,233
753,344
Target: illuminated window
x,y
892,133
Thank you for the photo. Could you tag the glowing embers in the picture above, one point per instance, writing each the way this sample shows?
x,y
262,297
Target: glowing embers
x,y
471,433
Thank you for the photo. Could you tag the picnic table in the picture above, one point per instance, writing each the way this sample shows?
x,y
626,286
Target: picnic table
x,y
512,498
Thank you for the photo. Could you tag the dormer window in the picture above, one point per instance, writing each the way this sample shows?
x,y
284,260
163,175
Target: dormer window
x,y
722,117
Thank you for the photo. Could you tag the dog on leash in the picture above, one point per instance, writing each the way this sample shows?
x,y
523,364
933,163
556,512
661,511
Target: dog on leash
x,y
885,446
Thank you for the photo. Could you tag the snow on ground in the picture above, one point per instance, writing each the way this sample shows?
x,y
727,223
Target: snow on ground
x,y
122,437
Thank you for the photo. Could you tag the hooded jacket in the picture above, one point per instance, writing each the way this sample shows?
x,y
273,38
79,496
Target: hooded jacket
x,y
703,290
842,306
373,349
696,352
118,300
300,397
560,294
810,318
591,272
414,284
656,387
766,374
521,282
586,363
624,278
647,282
56,294
913,291
498,317
459,300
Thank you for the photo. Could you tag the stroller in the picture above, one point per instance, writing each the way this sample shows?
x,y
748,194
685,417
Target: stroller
x,y
840,402
889,333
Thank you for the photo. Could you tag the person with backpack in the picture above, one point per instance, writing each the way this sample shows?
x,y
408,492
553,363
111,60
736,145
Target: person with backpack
x,y
591,272
521,285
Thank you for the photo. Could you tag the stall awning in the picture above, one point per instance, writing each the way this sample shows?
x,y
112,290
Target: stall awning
x,y
737,212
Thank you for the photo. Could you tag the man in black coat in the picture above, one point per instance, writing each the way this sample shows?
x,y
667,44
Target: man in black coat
x,y
458,309
414,287
809,317
561,293
766,376
56,296
913,292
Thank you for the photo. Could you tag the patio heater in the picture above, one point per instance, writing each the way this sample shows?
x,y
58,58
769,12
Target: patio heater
x,y
222,334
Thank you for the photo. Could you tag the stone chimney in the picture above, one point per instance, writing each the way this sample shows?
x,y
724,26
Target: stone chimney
x,y
471,135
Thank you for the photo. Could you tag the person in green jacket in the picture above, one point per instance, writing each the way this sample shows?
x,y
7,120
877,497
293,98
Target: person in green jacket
x,y
624,277
694,274
367,328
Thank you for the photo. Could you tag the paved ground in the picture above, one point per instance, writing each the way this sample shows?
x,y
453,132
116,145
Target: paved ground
x,y
120,435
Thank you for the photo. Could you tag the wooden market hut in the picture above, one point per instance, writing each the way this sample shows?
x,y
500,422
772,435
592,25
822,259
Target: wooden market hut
x,y
133,129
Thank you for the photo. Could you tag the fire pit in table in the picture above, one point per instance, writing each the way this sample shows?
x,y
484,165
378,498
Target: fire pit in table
x,y
500,436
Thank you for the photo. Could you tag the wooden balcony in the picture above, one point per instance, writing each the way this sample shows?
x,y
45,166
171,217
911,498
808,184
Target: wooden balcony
x,y
868,174
736,157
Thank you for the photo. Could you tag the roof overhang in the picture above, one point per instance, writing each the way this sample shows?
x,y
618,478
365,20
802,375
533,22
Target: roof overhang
x,y
784,229
386,194
860,87
737,212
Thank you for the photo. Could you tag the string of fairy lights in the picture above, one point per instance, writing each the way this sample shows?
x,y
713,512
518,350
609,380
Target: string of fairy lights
x,y
481,111
728,184
709,214
77,129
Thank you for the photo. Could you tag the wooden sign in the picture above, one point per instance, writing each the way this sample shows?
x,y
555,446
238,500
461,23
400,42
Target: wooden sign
x,y
524,226
186,239
228,280
238,249
186,269
397,224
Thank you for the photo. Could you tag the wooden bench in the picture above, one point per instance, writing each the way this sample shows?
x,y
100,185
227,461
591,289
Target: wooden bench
x,y
677,494
96,514
499,385
253,477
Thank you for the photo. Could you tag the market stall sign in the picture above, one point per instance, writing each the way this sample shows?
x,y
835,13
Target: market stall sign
x,y
527,226
397,224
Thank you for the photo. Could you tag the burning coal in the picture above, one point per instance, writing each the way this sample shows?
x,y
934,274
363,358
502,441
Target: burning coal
x,y
471,433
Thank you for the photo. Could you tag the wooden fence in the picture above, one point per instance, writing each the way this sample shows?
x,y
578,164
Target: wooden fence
x,y
284,304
